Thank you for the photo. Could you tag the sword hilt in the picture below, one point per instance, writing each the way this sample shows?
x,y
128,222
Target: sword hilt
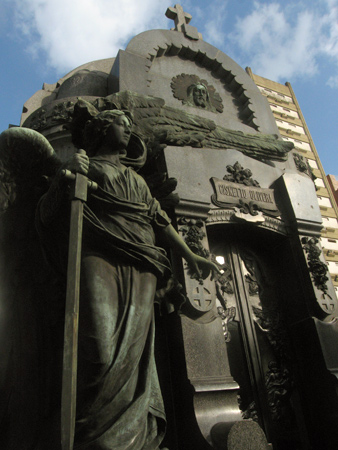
x,y
92,185
82,183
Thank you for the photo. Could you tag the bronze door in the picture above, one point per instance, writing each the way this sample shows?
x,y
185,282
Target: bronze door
x,y
250,301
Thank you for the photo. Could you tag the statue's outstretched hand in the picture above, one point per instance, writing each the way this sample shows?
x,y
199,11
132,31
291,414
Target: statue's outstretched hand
x,y
201,266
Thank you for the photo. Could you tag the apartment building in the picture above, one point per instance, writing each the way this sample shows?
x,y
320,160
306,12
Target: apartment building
x,y
333,183
292,127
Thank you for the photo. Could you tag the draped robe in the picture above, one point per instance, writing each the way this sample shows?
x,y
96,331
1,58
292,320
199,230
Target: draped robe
x,y
119,403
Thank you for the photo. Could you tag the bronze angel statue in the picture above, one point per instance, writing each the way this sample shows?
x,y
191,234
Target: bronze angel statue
x,y
119,403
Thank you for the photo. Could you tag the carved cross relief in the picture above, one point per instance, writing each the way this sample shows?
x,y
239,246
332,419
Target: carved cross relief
x,y
202,299
182,19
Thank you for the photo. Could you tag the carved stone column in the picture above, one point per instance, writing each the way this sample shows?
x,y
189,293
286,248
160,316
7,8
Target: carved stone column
x,y
215,391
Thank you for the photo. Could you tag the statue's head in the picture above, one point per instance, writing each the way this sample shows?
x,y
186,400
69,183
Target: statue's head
x,y
198,95
91,129
111,127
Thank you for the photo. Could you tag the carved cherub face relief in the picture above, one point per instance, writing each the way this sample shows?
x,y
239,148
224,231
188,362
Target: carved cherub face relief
x,y
200,95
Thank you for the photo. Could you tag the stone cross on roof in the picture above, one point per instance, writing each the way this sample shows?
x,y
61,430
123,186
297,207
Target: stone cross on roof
x,y
182,19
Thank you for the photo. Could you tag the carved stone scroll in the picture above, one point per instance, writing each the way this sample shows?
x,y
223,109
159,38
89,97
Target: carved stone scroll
x,y
250,199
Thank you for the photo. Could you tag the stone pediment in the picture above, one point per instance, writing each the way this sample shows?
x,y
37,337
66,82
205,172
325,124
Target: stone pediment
x,y
155,61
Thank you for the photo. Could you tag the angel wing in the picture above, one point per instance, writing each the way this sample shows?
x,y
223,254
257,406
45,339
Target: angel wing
x,y
157,123
25,155
25,285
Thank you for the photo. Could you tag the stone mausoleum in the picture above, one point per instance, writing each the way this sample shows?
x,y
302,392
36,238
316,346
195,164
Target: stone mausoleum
x,y
248,359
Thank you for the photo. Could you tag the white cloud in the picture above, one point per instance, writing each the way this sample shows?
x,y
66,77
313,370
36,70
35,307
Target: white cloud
x,y
214,16
280,40
333,81
330,38
285,42
73,32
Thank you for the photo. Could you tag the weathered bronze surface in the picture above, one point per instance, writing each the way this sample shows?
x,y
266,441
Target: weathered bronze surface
x,y
249,353
120,264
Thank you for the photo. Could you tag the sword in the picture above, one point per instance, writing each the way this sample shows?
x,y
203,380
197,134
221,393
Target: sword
x,y
78,196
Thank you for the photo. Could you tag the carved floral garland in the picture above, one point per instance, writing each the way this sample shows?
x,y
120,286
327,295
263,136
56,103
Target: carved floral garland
x,y
318,268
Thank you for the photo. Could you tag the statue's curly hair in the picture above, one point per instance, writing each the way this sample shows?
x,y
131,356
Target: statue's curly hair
x,y
96,128
89,126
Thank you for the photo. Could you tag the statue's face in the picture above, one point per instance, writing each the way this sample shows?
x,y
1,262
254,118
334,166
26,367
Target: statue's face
x,y
118,134
200,95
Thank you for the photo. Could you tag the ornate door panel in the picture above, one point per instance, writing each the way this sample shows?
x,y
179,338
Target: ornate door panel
x,y
255,328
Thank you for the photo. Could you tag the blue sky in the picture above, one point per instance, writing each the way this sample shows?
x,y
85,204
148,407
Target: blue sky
x,y
295,41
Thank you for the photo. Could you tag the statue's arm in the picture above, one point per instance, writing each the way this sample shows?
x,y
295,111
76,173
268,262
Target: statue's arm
x,y
198,264
51,203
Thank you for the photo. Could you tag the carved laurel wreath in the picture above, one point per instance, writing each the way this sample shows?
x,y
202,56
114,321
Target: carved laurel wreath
x,y
181,83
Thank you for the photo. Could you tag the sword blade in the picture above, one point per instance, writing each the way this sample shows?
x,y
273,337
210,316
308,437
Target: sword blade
x,y
69,375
